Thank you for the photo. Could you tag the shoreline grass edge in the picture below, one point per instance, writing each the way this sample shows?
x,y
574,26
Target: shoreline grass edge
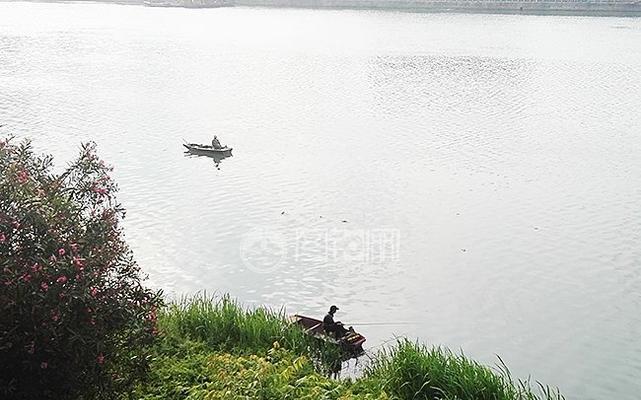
x,y
212,347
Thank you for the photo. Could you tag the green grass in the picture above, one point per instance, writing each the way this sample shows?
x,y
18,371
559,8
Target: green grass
x,y
224,325
410,370
213,348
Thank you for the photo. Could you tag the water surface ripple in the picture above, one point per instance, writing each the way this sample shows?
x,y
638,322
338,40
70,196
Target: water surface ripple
x,y
499,152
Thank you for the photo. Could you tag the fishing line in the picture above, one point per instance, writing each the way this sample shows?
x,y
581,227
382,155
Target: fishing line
x,y
383,323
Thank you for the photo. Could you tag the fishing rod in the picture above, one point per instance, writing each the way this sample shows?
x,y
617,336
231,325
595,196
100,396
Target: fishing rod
x,y
382,323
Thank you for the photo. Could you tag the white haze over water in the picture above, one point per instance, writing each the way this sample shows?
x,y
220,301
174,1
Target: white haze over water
x,y
498,153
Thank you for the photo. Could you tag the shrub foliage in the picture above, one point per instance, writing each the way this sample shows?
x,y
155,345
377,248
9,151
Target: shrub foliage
x,y
75,320
276,374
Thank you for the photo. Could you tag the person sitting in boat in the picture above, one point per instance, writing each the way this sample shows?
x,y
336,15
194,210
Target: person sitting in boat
x,y
215,143
333,328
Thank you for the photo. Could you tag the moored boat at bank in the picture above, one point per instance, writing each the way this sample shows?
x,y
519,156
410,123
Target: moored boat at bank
x,y
351,342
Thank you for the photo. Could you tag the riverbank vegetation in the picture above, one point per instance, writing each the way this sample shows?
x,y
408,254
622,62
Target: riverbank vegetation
x,y
76,322
215,349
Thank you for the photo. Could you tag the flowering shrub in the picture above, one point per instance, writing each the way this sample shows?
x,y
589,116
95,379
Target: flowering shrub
x,y
75,320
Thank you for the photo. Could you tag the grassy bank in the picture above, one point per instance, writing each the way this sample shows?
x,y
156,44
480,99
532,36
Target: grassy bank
x,y
216,349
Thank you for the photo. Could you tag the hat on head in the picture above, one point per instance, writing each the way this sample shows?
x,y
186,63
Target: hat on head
x,y
333,308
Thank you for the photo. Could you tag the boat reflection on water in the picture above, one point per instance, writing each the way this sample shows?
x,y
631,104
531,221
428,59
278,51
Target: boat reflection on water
x,y
216,157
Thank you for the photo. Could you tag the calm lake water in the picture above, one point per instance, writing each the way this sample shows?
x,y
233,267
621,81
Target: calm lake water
x,y
487,167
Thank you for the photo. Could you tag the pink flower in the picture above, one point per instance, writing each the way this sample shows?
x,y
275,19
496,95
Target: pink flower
x,y
94,292
77,261
61,252
55,315
26,277
100,359
44,365
61,279
99,190
36,267
44,286
23,176
3,238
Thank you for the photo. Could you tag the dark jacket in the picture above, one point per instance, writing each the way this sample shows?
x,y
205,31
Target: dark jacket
x,y
328,320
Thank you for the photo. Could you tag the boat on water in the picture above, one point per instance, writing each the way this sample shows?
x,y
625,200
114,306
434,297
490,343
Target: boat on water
x,y
351,343
206,149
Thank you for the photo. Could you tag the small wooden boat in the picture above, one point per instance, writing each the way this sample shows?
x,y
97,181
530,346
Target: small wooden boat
x,y
205,149
351,343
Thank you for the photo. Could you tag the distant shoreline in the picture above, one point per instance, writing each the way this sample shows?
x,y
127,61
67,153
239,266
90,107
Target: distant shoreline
x,y
584,8
620,8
